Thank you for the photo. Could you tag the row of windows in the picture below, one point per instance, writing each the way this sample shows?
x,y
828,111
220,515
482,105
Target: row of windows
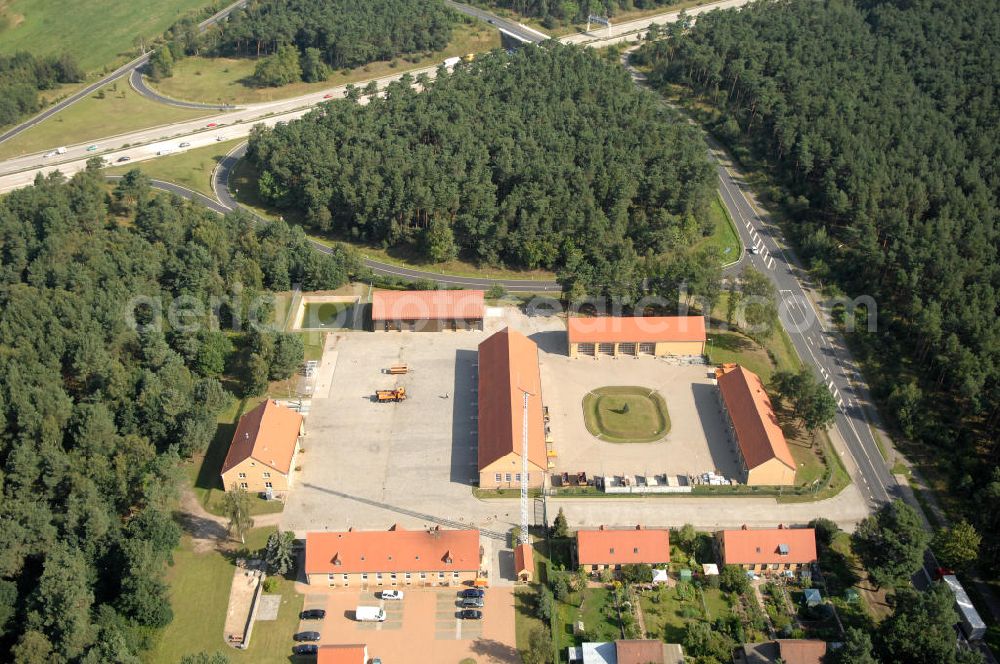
x,y
267,485
243,476
393,576
517,477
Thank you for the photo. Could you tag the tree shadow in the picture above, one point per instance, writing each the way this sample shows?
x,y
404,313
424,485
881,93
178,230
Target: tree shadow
x,y
496,650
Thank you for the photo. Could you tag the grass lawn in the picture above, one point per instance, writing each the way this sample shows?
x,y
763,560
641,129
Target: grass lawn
x,y
723,237
525,617
122,110
626,414
97,32
332,315
595,608
221,80
725,347
199,594
667,611
191,168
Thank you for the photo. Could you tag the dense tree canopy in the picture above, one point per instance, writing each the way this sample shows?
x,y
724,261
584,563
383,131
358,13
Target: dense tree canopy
x,y
554,11
549,157
23,75
881,120
347,33
98,404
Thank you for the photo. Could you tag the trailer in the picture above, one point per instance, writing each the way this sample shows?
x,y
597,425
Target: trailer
x,y
970,620
397,370
396,395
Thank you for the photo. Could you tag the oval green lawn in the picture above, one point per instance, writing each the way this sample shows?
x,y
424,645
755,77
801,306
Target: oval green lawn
x,y
645,420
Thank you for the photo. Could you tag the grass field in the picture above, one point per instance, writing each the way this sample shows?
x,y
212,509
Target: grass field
x,y
122,110
667,611
626,414
97,32
221,80
723,238
191,168
199,594
328,315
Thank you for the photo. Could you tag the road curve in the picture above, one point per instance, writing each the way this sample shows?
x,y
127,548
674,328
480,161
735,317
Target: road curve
x,y
133,65
137,80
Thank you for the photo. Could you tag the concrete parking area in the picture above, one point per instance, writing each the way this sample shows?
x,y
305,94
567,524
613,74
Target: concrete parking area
x,y
367,464
697,441
424,626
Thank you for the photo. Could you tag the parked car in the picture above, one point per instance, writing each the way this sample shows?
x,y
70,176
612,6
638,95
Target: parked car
x,y
470,614
472,603
473,592
313,614
375,660
185,144
124,158
307,636
392,594
305,649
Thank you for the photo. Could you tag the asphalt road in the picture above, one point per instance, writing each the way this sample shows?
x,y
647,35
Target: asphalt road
x,y
137,79
134,65
518,30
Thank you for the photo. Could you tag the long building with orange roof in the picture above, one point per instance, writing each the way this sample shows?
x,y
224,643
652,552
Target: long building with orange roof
x,y
394,557
427,311
765,458
635,335
508,371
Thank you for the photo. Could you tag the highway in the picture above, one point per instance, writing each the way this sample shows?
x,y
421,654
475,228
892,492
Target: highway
x,y
134,65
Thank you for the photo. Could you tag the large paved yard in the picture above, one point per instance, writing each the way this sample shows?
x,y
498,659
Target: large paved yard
x,y
697,440
423,627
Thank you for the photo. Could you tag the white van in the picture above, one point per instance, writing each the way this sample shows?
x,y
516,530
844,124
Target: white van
x,y
164,151
369,614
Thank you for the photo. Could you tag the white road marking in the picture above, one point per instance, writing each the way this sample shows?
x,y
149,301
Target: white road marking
x,y
770,264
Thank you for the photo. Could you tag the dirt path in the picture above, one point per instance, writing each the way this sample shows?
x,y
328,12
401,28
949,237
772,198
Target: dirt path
x,y
207,530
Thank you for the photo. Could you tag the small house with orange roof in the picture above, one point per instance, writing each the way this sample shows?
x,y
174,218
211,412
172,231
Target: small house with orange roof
x,y
524,563
395,557
765,458
768,550
262,453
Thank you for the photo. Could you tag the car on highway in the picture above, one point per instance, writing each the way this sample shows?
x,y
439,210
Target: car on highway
x,y
470,614
472,592
391,594
185,144
753,250
328,96
306,636
313,614
219,139
212,124
472,603
305,649
91,148
124,158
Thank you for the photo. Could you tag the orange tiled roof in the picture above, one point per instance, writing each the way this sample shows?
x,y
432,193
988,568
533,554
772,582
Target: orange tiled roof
x,y
801,651
427,305
268,434
761,546
757,431
342,654
646,329
524,559
395,550
508,367
621,547
644,651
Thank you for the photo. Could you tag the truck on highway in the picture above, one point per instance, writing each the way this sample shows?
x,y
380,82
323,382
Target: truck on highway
x,y
163,152
369,614
451,62
385,396
60,150
971,622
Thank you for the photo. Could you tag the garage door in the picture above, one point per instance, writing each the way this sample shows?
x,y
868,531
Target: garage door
x,y
606,349
585,349
626,348
647,349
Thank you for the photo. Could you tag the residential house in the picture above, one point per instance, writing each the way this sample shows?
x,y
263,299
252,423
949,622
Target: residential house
x,y
262,453
607,548
769,550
